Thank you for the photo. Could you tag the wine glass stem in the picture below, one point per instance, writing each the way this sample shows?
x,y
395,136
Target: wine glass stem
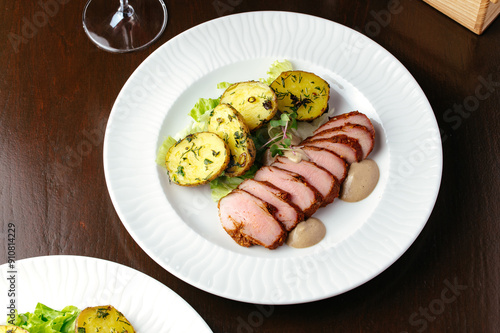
x,y
125,8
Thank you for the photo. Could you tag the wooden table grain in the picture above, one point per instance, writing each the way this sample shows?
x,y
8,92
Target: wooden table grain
x,y
56,93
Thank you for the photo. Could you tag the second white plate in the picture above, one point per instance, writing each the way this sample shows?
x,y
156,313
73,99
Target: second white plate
x,y
179,228
59,281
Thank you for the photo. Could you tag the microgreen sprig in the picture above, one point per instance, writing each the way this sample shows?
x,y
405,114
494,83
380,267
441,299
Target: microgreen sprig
x,y
281,140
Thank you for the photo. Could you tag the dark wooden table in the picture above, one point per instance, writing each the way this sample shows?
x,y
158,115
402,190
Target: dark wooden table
x,y
57,90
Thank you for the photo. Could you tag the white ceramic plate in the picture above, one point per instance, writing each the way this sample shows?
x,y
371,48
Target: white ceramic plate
x,y
58,281
179,228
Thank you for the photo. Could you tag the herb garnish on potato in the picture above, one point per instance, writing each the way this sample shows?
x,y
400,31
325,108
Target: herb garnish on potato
x,y
302,92
255,101
197,159
230,126
103,319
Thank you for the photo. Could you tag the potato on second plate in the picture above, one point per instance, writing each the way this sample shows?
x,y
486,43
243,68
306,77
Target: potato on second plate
x,y
301,92
197,159
103,319
230,126
255,101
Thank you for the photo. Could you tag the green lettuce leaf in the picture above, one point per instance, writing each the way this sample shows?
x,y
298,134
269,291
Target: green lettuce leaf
x,y
275,70
200,116
199,125
202,106
47,320
223,85
163,150
223,185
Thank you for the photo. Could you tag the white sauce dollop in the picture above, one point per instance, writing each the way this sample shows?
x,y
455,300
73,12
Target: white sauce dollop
x,y
306,233
360,181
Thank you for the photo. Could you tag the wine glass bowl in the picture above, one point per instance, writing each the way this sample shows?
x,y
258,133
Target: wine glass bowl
x,y
124,25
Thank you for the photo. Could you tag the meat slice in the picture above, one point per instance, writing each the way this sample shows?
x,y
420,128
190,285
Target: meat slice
x,y
354,118
286,212
347,148
302,194
326,183
358,132
249,220
333,163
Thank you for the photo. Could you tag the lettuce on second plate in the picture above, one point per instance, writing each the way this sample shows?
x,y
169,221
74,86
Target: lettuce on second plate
x,y
47,320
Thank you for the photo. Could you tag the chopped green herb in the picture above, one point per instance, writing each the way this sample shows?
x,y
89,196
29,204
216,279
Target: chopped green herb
x,y
180,171
102,313
238,135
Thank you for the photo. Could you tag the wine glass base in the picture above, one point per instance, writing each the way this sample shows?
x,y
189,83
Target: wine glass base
x,y
117,31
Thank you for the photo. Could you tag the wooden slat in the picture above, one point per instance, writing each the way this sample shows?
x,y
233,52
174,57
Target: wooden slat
x,y
492,13
483,9
475,15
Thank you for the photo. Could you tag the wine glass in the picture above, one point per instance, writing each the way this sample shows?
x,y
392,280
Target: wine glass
x,y
131,26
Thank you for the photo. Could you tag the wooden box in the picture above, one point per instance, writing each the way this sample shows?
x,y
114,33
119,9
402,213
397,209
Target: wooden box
x,y
475,15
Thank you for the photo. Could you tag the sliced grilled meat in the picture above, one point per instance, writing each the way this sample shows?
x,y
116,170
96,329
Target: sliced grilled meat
x,y
333,163
249,220
347,148
358,132
354,117
302,194
326,183
286,212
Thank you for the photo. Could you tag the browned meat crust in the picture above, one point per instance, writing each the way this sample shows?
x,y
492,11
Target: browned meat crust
x,y
359,132
307,209
353,117
348,143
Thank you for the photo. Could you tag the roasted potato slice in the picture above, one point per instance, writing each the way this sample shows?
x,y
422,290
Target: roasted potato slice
x,y
197,159
103,319
11,329
255,101
230,126
301,92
